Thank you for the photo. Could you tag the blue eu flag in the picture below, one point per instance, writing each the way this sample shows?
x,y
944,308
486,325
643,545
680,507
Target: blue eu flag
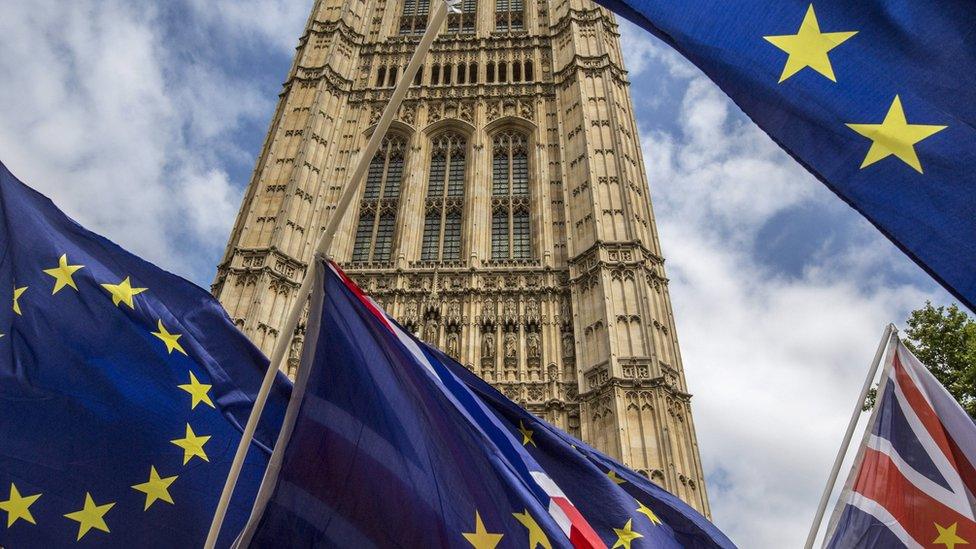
x,y
877,98
123,389
390,443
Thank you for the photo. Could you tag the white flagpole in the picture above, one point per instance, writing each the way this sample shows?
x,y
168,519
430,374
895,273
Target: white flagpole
x,y
889,331
322,250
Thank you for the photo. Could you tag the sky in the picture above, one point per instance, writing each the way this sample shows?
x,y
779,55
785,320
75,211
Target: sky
x,y
143,121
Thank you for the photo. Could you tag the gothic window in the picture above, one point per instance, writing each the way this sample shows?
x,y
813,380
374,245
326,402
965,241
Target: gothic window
x,y
528,71
414,18
503,72
445,198
419,77
509,15
462,73
435,75
516,72
490,68
511,237
381,198
381,76
448,69
392,78
463,22
473,73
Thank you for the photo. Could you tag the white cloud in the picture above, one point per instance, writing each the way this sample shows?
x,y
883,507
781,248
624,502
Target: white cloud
x,y
775,360
104,110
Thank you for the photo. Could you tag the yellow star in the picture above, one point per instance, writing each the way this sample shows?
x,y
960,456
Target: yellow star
x,y
481,538
90,516
895,136
155,488
192,445
17,293
526,435
536,536
645,510
62,274
18,507
949,537
613,476
626,535
172,341
123,292
198,391
809,47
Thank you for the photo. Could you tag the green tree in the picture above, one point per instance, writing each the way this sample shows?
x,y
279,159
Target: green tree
x,y
944,340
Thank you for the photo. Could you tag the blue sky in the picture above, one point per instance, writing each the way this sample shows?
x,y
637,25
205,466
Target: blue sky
x,y
143,121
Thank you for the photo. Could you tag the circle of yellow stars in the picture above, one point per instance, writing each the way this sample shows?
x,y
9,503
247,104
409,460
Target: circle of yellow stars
x,y
894,135
92,515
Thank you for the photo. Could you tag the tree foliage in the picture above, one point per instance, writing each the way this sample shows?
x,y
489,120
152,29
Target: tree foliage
x,y
944,339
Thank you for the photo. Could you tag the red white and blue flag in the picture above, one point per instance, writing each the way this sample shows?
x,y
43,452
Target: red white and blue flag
x,y
388,442
914,478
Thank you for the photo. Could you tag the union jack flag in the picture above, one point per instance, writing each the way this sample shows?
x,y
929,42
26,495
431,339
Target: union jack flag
x,y
914,478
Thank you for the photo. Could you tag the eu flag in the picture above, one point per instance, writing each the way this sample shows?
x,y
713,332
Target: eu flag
x,y
123,389
389,443
876,98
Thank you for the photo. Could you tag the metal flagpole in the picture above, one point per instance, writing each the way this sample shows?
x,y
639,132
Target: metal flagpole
x,y
889,331
322,250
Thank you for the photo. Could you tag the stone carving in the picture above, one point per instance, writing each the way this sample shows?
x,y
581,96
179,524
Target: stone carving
x,y
453,345
430,333
511,346
532,345
454,312
532,315
488,345
569,347
510,312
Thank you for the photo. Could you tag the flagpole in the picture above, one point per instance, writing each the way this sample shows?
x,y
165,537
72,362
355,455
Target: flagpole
x,y
322,249
889,331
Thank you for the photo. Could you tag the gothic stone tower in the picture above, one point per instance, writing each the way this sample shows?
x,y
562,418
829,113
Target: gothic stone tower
x,y
506,218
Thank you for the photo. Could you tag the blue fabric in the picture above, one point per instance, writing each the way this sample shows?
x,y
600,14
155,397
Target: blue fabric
x,y
859,529
391,450
89,398
923,52
582,472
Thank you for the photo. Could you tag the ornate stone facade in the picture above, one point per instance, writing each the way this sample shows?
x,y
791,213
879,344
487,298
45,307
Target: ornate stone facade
x,y
505,220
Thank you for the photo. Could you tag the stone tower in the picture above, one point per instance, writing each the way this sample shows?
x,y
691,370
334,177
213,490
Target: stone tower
x,y
506,218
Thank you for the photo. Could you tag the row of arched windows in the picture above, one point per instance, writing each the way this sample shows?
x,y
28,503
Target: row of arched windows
x,y
509,16
444,202
449,74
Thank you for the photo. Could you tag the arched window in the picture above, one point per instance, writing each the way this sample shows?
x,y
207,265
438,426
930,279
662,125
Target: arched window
x,y
502,71
381,76
473,73
445,198
418,79
381,199
435,75
462,73
528,71
464,21
414,18
392,79
509,15
448,69
510,234
490,69
516,72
